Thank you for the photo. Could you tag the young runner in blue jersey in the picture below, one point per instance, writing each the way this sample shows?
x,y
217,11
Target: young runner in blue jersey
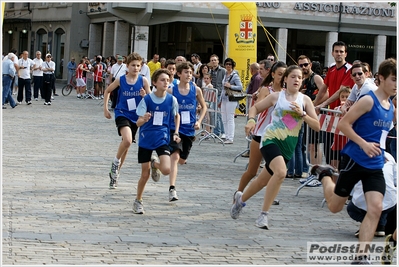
x,y
155,111
133,87
188,96
366,125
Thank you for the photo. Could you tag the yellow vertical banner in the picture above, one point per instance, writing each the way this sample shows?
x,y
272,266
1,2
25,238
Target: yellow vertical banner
x,y
3,6
242,42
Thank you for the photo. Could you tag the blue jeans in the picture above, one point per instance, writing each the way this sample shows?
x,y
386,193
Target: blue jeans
x,y
358,214
219,128
7,91
295,165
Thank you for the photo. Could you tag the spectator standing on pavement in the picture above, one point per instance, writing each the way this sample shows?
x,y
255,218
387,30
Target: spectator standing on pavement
x,y
291,109
117,71
202,70
231,81
71,68
132,88
362,86
8,71
80,82
188,95
338,75
24,81
14,82
154,64
98,78
53,82
112,61
145,70
155,111
37,76
162,60
48,68
196,60
270,57
256,79
180,59
363,156
217,73
312,81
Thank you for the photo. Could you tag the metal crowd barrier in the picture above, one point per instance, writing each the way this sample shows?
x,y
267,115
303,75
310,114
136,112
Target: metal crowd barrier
x,y
248,105
210,97
323,147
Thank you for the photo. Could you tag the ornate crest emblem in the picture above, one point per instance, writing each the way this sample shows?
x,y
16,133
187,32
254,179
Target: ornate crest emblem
x,y
246,34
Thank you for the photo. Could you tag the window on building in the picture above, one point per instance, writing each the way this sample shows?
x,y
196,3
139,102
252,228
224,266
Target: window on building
x,y
41,41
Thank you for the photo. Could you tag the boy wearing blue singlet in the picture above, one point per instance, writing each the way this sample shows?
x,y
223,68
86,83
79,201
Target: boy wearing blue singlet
x,y
366,125
155,111
133,87
188,95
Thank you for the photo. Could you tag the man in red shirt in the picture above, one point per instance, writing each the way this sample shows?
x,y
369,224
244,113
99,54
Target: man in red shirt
x,y
338,75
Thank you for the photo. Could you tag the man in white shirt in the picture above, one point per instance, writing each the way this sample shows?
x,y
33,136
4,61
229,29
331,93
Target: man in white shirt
x,y
37,76
25,64
196,60
145,70
117,70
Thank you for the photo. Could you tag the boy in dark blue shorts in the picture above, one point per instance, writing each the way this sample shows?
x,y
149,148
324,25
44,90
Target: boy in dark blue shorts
x,y
132,88
188,95
155,111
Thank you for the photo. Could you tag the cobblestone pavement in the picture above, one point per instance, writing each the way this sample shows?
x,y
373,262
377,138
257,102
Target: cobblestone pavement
x,y
57,208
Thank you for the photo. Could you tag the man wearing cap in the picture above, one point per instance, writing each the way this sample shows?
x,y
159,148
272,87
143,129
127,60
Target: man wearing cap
x,y
37,76
117,70
154,64
25,64
8,71
48,69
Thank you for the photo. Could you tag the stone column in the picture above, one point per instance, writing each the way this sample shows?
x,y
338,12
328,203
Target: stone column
x,y
140,40
380,46
95,36
331,38
281,46
226,45
107,41
121,38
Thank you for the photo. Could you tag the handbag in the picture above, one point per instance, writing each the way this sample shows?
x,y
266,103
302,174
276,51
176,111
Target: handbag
x,y
234,95
47,78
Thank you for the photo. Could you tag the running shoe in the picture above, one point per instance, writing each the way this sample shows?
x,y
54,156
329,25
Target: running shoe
x,y
138,207
155,173
262,222
237,206
389,251
113,176
173,195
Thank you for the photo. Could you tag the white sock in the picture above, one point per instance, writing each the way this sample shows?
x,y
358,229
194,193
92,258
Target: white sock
x,y
116,161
